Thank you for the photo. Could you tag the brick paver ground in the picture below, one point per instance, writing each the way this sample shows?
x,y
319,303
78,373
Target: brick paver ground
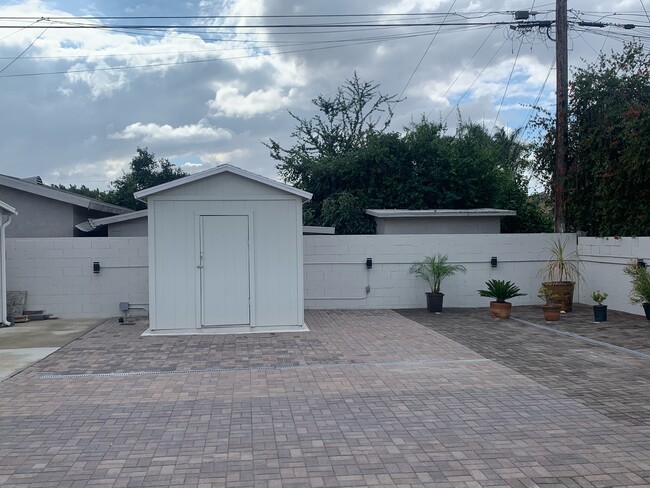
x,y
364,399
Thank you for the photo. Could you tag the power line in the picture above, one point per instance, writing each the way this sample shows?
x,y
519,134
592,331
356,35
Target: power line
x,y
425,53
23,52
507,84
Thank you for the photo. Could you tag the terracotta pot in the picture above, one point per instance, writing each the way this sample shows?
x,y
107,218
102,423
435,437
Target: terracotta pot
x,y
434,302
564,292
551,312
500,310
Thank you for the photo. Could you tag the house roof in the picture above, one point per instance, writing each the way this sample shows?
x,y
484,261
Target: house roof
x,y
441,212
5,208
60,195
223,168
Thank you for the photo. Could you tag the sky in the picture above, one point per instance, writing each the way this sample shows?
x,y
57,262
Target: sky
x,y
218,78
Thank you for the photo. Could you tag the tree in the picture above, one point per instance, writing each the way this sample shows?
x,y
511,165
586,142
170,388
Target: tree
x,y
97,194
145,172
608,179
348,160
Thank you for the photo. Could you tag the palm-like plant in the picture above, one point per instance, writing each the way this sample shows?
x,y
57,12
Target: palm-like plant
x,y
434,269
640,279
562,265
501,290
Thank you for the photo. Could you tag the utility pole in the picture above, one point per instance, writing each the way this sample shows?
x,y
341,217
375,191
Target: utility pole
x,y
561,114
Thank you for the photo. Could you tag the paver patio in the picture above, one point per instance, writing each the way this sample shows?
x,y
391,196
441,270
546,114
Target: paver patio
x,y
363,399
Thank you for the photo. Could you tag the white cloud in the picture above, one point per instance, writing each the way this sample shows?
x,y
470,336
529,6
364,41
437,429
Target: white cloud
x,y
230,102
151,133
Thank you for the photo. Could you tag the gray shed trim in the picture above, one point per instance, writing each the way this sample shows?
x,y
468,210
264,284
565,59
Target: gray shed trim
x,y
61,195
223,168
473,212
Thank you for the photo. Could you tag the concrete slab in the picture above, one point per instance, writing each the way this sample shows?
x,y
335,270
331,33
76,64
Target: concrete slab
x,y
25,344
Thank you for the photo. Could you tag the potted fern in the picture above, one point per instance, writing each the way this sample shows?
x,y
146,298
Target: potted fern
x,y
433,270
501,291
561,272
600,310
640,280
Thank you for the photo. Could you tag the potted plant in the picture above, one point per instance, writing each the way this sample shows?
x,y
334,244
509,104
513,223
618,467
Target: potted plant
x,y
640,279
600,310
501,291
551,308
561,272
434,269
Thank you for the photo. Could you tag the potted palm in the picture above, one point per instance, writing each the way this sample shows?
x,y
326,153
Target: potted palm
x,y
640,279
561,272
600,310
433,270
551,308
501,291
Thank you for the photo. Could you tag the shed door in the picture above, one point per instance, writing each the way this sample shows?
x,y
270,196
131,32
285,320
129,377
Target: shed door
x,y
225,280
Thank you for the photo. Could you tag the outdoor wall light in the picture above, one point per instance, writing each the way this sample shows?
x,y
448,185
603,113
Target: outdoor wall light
x,y
96,267
493,261
640,263
369,263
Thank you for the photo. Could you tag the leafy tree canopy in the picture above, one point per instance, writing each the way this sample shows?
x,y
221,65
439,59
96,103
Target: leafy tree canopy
x,y
145,171
348,159
608,179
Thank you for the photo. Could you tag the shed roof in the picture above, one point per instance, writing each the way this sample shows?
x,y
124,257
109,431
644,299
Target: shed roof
x,y
223,168
60,195
441,212
5,208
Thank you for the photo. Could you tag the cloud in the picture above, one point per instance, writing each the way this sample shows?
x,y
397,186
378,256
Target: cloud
x,y
152,133
230,102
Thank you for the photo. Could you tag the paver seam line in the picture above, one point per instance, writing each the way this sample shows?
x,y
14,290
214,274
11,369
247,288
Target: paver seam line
x,y
262,368
584,339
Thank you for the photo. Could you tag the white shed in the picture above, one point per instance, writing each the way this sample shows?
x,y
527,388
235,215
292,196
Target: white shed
x,y
225,253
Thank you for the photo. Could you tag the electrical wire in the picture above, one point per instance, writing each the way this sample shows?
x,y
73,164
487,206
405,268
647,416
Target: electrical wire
x,y
24,51
425,53
521,43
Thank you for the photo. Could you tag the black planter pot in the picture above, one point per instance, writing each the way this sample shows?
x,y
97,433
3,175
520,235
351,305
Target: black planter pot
x,y
600,313
434,302
646,309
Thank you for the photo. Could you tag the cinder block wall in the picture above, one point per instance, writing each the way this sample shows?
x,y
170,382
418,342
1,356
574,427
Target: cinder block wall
x,y
58,274
602,261
336,274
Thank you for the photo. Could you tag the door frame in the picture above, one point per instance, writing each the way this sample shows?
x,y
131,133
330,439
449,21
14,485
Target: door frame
x,y
251,264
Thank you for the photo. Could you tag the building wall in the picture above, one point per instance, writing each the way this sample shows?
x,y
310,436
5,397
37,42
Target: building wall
x,y
57,274
439,225
603,260
38,216
129,228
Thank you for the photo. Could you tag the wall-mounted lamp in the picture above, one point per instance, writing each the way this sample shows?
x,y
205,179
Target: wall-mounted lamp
x,y
640,263
493,261
96,267
369,263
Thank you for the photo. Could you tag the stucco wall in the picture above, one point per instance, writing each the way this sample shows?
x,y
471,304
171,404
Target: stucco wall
x,y
129,228
439,225
38,216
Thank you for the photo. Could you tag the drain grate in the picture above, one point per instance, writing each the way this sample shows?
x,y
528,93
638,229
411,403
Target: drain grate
x,y
262,368
585,339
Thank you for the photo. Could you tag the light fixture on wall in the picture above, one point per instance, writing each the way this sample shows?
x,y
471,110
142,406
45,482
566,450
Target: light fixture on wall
x,y
493,261
96,267
640,263
369,263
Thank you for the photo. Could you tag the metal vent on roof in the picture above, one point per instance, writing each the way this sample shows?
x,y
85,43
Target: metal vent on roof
x,y
34,179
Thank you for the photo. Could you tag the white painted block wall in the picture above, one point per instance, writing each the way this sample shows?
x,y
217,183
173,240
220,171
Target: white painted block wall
x,y
336,274
602,261
58,274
